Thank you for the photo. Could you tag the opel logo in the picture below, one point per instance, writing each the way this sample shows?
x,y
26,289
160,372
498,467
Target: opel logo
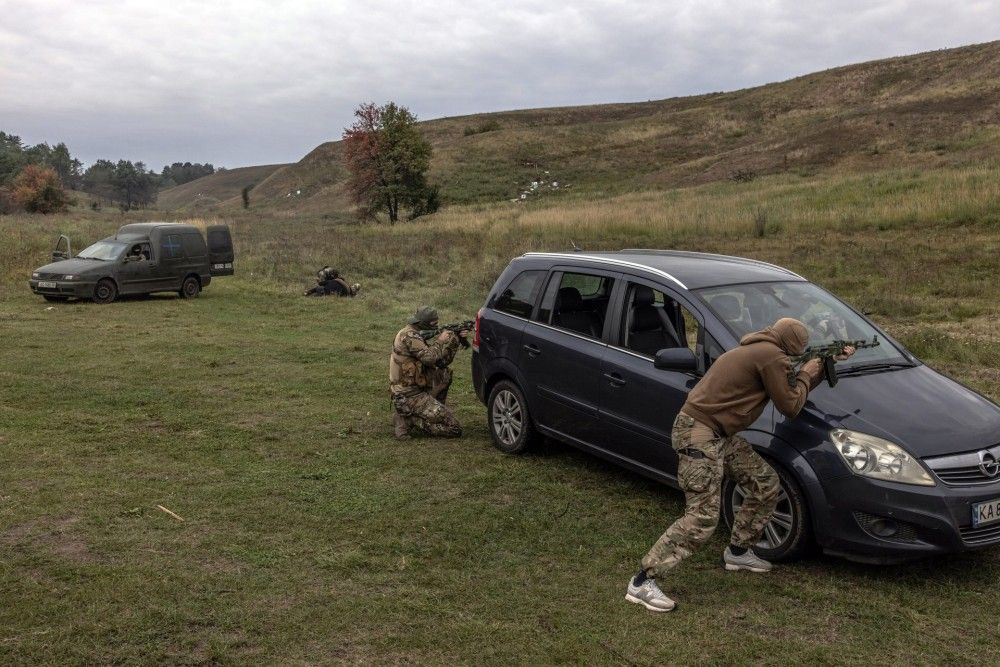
x,y
989,464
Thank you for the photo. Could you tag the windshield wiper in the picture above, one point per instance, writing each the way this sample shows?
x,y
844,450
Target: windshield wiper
x,y
870,368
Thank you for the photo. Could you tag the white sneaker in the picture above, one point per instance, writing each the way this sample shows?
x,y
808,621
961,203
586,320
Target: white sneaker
x,y
748,561
649,595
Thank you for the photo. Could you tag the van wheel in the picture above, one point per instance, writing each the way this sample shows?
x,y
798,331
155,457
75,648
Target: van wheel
x,y
509,419
788,535
105,291
190,288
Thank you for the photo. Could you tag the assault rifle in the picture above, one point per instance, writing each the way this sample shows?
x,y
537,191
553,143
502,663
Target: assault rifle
x,y
827,353
457,328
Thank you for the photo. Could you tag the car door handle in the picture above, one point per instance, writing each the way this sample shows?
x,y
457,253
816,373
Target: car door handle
x,y
532,350
615,379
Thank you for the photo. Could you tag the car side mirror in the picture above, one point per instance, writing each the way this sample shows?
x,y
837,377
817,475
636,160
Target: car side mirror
x,y
675,359
59,255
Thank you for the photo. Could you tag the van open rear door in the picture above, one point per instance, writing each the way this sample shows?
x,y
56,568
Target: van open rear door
x,y
220,250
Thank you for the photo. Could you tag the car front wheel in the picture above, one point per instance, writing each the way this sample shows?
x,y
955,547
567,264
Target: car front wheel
x,y
509,419
105,291
787,535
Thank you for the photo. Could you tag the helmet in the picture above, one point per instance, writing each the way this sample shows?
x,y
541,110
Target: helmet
x,y
424,316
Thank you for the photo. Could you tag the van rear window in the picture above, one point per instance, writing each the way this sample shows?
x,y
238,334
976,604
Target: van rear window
x,y
519,297
171,246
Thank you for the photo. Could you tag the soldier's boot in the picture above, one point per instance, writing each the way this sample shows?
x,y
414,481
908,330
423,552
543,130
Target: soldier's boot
x,y
643,590
400,426
748,560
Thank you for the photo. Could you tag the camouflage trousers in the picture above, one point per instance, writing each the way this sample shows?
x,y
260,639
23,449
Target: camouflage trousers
x,y
701,480
425,413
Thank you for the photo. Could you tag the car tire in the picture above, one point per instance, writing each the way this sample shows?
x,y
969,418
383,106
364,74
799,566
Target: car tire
x,y
788,536
105,291
190,287
508,419
55,299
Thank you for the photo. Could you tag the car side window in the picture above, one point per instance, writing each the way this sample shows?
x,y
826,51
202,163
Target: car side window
x,y
581,303
650,321
171,247
519,297
712,349
653,320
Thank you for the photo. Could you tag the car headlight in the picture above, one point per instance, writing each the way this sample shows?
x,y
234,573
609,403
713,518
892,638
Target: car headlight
x,y
869,456
69,276
34,274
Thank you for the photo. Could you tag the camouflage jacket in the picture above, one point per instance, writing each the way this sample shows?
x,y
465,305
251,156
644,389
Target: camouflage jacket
x,y
413,360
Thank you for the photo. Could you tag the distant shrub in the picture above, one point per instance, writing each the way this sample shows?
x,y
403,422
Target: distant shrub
x,y
742,175
7,202
39,190
485,126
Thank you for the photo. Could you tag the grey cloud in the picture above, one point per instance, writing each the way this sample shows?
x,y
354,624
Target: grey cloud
x,y
254,82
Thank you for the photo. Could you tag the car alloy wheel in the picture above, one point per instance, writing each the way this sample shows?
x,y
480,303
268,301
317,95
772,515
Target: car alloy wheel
x,y
509,421
788,534
507,417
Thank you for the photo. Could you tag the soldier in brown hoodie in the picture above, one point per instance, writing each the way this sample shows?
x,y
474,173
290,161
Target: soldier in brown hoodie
x,y
728,399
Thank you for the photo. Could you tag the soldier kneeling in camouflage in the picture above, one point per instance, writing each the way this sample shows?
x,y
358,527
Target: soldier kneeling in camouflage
x,y
728,399
419,378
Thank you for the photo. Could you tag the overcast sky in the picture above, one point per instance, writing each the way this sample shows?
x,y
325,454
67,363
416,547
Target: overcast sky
x,y
256,82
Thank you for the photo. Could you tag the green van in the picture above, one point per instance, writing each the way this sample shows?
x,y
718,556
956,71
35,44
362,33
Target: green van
x,y
141,258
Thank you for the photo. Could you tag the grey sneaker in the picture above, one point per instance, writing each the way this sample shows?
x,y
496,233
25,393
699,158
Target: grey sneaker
x,y
649,595
748,561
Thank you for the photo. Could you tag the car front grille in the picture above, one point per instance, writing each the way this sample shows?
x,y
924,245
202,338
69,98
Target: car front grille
x,y
965,476
980,536
964,469
50,276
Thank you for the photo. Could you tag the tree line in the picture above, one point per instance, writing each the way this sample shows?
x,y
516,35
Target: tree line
x,y
36,178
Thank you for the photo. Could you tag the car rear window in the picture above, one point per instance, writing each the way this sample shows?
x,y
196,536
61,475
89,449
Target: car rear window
x,y
518,298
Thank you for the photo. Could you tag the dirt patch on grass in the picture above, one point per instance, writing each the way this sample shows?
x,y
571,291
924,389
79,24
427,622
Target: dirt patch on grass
x,y
56,536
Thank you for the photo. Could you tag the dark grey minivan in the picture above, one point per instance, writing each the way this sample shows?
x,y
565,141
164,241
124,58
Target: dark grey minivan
x,y
599,350
141,258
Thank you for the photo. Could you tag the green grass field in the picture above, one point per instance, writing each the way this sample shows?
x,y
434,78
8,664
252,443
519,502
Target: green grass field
x,y
311,536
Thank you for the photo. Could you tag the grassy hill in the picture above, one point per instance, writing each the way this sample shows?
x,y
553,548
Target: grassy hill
x,y
222,187
311,536
934,109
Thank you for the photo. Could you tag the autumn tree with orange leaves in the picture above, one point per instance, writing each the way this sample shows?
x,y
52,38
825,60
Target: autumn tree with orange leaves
x,y
387,159
39,190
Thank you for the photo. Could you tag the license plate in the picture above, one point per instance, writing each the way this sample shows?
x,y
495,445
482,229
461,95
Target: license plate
x,y
986,513
48,284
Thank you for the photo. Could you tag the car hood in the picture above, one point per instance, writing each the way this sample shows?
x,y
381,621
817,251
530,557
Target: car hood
x,y
918,408
74,266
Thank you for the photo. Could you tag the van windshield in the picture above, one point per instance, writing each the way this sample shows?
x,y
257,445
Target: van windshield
x,y
752,307
103,250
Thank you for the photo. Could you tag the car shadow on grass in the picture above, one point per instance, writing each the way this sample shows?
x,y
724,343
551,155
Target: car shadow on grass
x,y
959,569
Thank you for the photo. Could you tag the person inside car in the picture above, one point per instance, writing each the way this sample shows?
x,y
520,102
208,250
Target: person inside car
x,y
728,399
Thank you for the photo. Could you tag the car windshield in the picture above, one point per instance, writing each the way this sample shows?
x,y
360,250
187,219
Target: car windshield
x,y
751,307
105,250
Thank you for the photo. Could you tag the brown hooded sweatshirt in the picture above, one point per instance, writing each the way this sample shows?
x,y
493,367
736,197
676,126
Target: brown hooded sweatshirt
x,y
734,391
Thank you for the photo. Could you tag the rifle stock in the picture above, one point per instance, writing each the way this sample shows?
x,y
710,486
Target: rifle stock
x,y
455,327
827,354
